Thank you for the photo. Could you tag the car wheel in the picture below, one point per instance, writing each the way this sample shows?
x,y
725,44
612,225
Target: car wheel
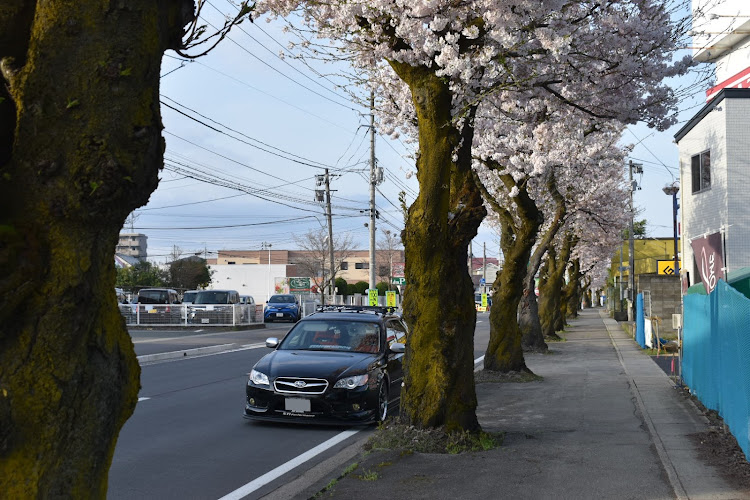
x,y
382,401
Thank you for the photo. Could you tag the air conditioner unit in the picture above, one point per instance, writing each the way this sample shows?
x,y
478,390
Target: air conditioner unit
x,y
676,321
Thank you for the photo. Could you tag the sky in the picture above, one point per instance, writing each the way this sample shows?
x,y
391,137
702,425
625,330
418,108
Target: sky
x,y
260,128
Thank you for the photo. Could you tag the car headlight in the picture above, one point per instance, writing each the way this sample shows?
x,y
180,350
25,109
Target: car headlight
x,y
351,382
258,378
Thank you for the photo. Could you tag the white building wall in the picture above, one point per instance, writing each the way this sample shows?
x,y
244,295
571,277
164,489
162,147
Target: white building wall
x,y
706,211
248,279
734,62
738,164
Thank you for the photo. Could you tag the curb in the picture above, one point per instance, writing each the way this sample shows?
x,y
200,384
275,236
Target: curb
x,y
661,451
315,479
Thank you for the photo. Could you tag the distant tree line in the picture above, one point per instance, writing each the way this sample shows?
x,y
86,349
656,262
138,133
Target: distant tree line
x,y
182,274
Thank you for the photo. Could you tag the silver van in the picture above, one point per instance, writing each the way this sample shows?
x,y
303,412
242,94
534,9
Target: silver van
x,y
215,307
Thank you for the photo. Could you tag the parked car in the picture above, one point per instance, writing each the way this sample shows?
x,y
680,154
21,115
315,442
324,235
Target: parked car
x,y
248,309
282,307
189,296
339,365
187,299
158,306
214,306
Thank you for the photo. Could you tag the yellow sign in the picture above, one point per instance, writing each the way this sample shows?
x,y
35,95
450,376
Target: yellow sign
x,y
666,266
484,300
390,299
373,297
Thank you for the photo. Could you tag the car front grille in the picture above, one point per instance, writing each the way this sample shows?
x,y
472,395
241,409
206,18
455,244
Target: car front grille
x,y
294,385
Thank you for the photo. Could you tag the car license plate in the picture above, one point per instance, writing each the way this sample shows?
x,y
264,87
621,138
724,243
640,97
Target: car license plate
x,y
297,405
205,320
279,315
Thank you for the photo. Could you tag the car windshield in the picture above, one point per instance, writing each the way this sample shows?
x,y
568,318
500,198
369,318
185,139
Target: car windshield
x,y
281,299
333,335
153,297
210,297
189,297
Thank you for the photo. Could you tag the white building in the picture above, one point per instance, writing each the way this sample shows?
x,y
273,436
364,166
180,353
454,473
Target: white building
x,y
133,245
714,146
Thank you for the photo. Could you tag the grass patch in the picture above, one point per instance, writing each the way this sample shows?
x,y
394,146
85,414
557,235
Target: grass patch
x,y
333,482
488,376
350,469
556,338
394,435
370,475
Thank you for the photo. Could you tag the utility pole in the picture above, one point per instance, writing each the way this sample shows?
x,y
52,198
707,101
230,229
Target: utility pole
x,y
631,249
373,181
330,231
267,246
484,266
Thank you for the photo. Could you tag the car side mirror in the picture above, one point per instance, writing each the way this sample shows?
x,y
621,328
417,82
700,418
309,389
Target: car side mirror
x,y
272,342
397,348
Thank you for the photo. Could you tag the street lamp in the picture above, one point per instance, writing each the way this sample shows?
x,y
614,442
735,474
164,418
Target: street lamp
x,y
671,190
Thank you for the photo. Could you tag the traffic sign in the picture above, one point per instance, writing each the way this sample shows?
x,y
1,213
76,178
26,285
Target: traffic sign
x,y
373,297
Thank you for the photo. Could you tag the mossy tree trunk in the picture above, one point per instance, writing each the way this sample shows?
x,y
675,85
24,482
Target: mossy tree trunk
x,y
439,304
80,148
573,292
551,288
532,337
517,237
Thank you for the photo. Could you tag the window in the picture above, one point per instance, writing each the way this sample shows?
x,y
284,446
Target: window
x,y
344,266
362,265
700,170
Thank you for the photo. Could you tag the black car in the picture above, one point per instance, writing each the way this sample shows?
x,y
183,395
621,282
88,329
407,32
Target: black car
x,y
336,366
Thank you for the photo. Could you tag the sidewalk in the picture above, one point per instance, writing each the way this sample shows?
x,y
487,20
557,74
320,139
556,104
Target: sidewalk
x,y
605,422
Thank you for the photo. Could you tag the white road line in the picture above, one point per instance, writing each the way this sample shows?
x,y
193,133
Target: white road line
x,y
142,399
279,471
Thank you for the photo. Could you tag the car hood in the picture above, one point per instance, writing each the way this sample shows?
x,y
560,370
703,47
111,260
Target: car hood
x,y
281,305
330,365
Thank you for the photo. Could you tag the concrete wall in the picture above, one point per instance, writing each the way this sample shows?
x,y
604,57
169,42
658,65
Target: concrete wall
x,y
665,297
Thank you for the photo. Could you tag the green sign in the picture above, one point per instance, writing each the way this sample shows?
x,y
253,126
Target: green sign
x,y
373,296
398,281
299,284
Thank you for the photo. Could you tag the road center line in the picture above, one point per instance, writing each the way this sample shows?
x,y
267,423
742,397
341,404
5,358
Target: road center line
x,y
279,471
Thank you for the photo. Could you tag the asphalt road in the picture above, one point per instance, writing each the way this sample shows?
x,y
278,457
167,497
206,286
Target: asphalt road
x,y
187,438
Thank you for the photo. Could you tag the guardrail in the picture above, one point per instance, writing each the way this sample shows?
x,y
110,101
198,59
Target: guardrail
x,y
191,314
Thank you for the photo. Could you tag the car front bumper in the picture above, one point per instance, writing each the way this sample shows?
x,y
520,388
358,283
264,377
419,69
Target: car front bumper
x,y
334,407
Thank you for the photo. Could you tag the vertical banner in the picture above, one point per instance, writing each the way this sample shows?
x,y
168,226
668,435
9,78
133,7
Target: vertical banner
x,y
390,298
373,296
708,256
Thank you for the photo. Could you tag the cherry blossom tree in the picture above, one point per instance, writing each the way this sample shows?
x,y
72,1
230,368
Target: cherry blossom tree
x,y
606,60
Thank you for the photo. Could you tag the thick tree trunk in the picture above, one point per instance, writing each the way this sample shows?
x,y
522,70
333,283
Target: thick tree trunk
x,y
83,80
550,295
573,292
531,327
504,351
439,303
532,338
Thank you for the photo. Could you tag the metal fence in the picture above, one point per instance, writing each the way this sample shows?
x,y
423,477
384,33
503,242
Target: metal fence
x,y
187,314
716,354
225,314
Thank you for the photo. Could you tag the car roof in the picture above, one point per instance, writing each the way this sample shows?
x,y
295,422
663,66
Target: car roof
x,y
364,314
